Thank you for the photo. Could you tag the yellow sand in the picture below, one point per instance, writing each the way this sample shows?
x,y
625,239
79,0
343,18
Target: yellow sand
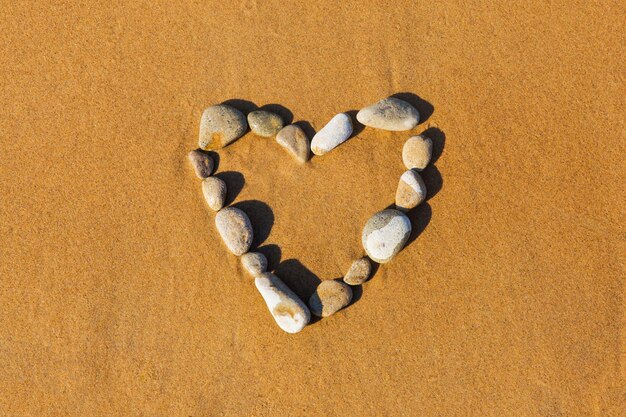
x,y
117,297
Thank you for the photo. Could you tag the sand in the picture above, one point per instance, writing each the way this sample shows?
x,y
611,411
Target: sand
x,y
118,298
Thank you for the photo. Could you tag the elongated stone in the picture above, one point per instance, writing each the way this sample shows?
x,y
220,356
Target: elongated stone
x,y
330,297
214,191
290,313
235,229
359,272
389,114
337,131
295,141
221,125
411,191
385,234
254,262
264,123
416,152
202,163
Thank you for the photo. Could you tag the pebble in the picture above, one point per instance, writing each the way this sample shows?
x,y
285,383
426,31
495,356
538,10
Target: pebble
x,y
337,131
290,313
202,163
359,272
330,297
254,262
389,114
411,191
417,152
235,229
385,234
294,139
265,123
221,125
214,190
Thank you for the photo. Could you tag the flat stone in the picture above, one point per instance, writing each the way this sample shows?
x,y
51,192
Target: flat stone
x,y
221,125
385,234
359,272
254,262
290,313
416,152
235,229
330,297
337,131
389,114
214,191
264,123
411,191
294,139
202,163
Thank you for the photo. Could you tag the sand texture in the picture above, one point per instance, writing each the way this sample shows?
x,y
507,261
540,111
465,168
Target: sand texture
x,y
118,297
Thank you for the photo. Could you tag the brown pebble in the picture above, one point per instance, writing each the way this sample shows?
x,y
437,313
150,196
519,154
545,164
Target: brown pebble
x,y
359,272
416,152
330,297
295,141
202,163
214,190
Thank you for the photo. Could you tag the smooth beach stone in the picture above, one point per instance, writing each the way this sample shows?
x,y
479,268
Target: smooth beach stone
x,y
337,131
265,123
290,313
294,139
221,125
359,272
411,191
254,262
416,152
202,163
389,114
385,234
214,190
330,297
235,229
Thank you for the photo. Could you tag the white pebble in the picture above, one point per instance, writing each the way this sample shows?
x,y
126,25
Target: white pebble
x,y
337,131
290,313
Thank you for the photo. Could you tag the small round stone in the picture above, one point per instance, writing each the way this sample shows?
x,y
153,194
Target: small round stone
x,y
294,139
416,152
330,297
214,190
254,262
389,114
411,191
385,234
220,125
359,272
264,123
202,163
337,131
235,229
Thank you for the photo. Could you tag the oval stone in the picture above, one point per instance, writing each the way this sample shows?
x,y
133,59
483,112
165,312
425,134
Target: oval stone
x,y
416,152
220,125
389,114
254,262
385,234
359,272
214,191
265,123
330,297
337,131
289,312
202,163
235,229
295,141
411,191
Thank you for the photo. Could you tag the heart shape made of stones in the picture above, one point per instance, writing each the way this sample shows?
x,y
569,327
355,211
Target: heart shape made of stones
x,y
384,234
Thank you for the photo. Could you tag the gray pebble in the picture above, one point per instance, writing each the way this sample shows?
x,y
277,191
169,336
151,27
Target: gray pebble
x,y
202,163
411,191
220,125
235,229
265,123
337,131
294,139
330,297
389,114
214,191
385,234
359,272
254,262
416,152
